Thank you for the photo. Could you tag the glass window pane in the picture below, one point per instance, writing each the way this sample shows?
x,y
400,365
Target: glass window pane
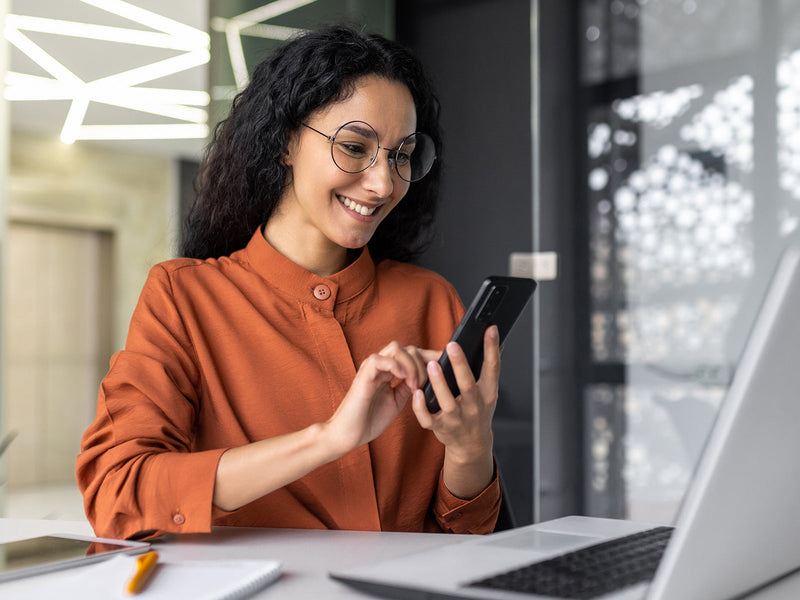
x,y
692,126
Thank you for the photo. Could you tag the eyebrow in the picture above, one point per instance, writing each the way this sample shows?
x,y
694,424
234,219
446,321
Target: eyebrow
x,y
356,128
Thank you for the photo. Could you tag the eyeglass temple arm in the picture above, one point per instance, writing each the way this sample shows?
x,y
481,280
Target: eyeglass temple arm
x,y
327,137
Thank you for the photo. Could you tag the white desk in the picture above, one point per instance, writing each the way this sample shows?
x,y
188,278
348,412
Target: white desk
x,y
307,555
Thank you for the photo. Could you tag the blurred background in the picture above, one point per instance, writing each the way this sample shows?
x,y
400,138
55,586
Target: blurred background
x,y
652,145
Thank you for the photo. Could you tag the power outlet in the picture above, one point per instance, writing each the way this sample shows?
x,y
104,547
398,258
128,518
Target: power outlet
x,y
541,266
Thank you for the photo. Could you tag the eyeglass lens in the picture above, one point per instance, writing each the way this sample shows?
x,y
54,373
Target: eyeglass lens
x,y
355,146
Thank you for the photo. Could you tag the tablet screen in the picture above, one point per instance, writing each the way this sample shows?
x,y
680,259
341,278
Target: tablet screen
x,y
40,554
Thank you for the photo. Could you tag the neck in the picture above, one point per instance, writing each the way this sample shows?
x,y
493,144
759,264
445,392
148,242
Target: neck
x,y
322,258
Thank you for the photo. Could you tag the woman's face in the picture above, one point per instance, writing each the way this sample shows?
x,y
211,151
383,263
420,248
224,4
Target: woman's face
x,y
326,207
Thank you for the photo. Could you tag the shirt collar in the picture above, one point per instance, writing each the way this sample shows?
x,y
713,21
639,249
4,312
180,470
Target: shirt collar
x,y
291,278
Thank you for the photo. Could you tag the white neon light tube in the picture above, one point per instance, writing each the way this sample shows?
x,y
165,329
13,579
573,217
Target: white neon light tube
x,y
152,20
155,70
268,11
92,31
42,58
270,32
142,132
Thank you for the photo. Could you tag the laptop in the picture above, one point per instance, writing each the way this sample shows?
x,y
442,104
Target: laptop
x,y
737,530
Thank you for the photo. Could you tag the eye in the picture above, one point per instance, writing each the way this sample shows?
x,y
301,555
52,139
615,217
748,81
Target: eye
x,y
353,149
402,158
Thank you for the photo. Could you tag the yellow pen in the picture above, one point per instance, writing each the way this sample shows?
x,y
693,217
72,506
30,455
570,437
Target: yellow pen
x,y
145,565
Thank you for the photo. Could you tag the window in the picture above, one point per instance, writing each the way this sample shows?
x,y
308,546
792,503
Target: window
x,y
691,123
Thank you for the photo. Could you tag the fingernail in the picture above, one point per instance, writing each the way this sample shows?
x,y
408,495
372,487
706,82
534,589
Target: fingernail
x,y
493,332
453,348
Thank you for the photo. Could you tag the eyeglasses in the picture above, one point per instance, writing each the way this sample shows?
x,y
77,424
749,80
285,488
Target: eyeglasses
x,y
354,148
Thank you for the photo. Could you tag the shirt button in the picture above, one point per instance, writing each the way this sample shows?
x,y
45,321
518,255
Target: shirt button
x,y
178,519
322,292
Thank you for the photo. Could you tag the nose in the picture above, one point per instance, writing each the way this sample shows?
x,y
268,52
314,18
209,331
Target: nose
x,y
379,177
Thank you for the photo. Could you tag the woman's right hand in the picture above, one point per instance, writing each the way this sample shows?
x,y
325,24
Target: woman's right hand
x,y
383,384
380,389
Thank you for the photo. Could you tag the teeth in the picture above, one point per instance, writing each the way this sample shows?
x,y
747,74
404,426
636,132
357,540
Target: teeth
x,y
356,207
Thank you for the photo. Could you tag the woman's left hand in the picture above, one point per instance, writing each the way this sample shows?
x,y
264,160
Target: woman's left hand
x,y
464,423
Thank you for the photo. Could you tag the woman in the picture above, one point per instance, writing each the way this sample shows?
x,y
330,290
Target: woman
x,y
272,377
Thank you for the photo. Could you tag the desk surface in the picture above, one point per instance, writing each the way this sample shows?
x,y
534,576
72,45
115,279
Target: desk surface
x,y
307,555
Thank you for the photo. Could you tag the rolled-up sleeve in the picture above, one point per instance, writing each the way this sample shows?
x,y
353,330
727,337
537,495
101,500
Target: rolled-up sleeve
x,y
135,470
477,515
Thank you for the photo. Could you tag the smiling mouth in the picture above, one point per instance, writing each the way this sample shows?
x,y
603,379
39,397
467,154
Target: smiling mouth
x,y
356,207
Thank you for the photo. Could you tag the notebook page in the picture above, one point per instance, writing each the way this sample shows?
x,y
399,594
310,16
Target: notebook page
x,y
172,580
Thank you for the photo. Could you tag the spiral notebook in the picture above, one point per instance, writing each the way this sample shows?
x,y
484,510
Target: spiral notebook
x,y
173,580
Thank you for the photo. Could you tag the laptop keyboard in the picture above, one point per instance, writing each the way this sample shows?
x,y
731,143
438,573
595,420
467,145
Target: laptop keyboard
x,y
589,572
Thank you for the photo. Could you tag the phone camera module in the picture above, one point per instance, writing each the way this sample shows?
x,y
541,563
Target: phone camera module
x,y
489,307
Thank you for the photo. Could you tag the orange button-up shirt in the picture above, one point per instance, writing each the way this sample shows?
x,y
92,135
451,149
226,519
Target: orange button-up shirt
x,y
224,352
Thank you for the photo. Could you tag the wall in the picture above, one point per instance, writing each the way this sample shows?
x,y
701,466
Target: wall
x,y
57,344
133,196
87,224
478,53
4,128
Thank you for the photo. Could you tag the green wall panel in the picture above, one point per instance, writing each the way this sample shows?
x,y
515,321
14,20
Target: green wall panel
x,y
256,27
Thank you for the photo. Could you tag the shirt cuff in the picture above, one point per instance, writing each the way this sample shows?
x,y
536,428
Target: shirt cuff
x,y
478,515
180,491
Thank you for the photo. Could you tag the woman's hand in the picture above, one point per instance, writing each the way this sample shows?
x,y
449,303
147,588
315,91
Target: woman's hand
x,y
464,424
382,385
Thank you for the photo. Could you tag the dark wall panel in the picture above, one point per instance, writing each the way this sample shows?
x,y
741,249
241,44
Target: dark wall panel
x,y
478,53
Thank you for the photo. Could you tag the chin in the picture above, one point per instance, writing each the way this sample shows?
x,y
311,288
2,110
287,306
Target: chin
x,y
355,243
356,246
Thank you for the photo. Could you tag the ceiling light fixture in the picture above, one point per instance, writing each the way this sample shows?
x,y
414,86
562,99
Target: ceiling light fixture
x,y
250,23
91,31
143,132
117,89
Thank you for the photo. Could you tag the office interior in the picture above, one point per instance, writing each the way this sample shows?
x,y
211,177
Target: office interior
x,y
652,145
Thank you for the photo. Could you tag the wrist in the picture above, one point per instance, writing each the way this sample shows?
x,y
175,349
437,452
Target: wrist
x,y
330,440
468,460
472,454
467,479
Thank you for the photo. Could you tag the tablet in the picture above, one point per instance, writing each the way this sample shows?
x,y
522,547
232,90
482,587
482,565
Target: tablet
x,y
60,551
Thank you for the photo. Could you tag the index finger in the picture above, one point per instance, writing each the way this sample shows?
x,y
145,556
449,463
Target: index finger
x,y
430,355
491,355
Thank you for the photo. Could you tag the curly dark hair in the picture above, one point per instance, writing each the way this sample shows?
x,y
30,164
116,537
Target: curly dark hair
x,y
242,175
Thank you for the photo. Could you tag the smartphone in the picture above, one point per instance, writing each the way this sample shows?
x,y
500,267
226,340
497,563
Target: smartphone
x,y
499,301
52,552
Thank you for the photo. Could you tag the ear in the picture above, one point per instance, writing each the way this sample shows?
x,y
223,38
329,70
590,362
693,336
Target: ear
x,y
291,149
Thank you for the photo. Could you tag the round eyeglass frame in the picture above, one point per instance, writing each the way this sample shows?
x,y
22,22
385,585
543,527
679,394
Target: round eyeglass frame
x,y
392,151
